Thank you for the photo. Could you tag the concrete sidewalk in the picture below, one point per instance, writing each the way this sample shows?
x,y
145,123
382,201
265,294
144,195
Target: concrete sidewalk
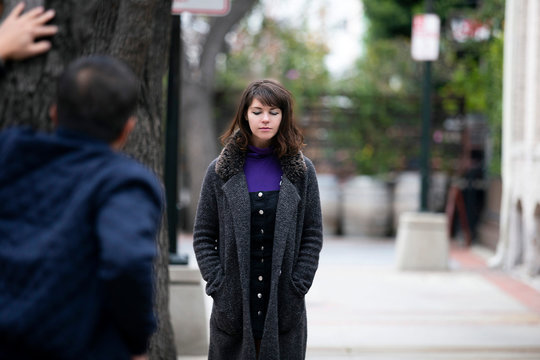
x,y
361,307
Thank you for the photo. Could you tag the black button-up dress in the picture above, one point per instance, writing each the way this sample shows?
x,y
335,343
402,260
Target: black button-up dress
x,y
263,218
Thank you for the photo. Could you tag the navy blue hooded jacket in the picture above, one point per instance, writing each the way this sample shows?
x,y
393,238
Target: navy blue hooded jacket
x,y
78,223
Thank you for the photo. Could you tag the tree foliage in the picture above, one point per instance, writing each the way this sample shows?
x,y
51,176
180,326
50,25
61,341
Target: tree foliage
x,y
466,79
477,72
277,50
389,18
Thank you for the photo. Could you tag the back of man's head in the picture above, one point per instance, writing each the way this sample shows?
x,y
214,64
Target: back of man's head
x,y
96,95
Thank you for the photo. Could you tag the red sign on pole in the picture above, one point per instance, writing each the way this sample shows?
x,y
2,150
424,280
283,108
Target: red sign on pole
x,y
201,7
425,37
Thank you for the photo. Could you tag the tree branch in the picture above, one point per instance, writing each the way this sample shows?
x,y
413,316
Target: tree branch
x,y
214,41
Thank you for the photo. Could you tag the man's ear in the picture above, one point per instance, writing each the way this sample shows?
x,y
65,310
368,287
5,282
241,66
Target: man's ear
x,y
53,114
122,138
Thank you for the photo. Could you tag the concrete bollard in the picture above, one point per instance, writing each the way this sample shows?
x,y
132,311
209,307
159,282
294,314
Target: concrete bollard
x,y
188,311
422,242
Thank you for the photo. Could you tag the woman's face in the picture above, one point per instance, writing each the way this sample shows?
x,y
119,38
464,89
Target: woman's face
x,y
264,123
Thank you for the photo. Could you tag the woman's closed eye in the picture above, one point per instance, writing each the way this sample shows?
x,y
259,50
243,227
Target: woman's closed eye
x,y
273,113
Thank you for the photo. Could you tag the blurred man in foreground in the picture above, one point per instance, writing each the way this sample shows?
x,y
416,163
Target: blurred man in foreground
x,y
78,223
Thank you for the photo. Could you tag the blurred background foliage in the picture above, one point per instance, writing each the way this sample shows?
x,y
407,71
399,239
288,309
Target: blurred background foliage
x,y
373,121
274,50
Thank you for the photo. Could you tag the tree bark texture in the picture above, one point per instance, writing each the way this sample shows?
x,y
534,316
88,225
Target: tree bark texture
x,y
135,31
198,125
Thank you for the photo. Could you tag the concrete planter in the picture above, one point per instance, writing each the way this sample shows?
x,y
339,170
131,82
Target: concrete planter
x,y
366,207
188,312
406,194
422,242
329,190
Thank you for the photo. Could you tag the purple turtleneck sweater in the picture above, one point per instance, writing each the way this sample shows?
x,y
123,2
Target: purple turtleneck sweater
x,y
262,169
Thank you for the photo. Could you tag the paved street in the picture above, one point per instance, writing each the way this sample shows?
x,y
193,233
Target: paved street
x,y
361,307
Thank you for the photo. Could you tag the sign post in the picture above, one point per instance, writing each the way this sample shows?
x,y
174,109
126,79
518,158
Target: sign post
x,y
201,7
425,47
425,37
424,233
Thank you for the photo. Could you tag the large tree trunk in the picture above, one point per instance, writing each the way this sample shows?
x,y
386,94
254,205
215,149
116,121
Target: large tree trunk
x,y
198,128
136,31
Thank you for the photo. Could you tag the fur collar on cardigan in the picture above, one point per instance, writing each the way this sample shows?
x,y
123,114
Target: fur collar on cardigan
x,y
231,161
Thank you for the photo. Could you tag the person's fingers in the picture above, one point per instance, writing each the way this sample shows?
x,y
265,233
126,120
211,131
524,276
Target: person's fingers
x,y
23,28
32,13
37,48
47,30
45,17
17,10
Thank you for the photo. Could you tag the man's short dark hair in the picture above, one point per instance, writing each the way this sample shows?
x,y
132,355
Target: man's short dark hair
x,y
96,95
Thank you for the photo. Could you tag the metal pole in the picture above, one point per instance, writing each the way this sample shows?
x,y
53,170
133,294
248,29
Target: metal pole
x,y
426,139
171,141
426,128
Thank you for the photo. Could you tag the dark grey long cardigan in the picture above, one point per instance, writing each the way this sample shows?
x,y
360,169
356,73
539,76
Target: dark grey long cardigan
x,y
222,247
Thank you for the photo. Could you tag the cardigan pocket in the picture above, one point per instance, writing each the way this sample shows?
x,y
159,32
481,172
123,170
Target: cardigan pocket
x,y
227,308
291,307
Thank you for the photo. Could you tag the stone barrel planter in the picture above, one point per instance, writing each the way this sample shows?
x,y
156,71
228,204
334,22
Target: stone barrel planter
x,y
366,207
329,190
407,193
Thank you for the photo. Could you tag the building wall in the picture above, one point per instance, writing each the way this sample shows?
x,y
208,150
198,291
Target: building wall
x,y
519,242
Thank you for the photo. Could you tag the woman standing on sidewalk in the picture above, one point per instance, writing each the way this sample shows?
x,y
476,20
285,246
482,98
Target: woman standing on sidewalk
x,y
258,231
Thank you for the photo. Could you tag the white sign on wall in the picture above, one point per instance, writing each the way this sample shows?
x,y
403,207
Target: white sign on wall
x,y
201,7
426,30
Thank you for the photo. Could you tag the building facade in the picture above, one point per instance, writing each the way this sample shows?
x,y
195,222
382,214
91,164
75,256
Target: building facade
x,y
519,241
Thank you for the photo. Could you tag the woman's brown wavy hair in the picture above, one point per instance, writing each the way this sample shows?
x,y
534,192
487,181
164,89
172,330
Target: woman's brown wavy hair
x,y
288,140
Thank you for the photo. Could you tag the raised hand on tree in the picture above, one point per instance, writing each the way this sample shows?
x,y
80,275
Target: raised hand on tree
x,y
18,33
